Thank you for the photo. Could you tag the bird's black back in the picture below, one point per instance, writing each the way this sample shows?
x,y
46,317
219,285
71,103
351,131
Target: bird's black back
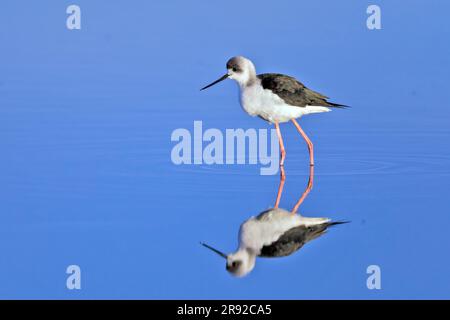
x,y
293,92
293,239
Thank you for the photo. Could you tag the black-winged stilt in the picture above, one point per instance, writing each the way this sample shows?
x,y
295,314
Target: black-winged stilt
x,y
274,233
275,98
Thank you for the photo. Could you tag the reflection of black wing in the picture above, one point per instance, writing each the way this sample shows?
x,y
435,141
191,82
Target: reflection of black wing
x,y
294,92
293,239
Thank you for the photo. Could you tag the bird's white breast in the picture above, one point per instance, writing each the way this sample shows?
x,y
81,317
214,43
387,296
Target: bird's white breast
x,y
257,101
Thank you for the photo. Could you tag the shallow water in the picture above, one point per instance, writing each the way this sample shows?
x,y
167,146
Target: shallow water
x,y
85,126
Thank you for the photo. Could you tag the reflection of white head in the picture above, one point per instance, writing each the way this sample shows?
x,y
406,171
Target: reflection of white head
x,y
242,70
241,262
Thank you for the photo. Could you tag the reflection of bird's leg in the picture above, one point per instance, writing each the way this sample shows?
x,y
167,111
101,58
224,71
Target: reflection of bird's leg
x,y
280,140
280,187
307,190
310,144
282,174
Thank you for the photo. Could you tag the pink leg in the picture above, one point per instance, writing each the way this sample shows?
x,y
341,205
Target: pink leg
x,y
280,187
282,174
280,140
310,144
307,190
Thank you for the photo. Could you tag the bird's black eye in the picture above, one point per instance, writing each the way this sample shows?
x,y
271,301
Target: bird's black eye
x,y
234,264
234,69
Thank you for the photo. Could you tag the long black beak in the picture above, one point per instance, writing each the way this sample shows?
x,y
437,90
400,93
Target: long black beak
x,y
223,255
217,81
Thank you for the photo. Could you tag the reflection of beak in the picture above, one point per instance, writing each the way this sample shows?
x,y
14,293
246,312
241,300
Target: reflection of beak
x,y
223,255
217,81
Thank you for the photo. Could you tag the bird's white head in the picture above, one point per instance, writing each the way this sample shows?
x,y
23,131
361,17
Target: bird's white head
x,y
239,263
240,69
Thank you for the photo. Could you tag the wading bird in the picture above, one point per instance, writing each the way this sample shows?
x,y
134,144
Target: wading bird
x,y
275,98
274,233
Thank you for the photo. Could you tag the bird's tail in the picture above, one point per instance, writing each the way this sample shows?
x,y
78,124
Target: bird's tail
x,y
334,223
337,105
316,231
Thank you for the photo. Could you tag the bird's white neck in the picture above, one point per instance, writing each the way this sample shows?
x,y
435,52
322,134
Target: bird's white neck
x,y
248,257
247,77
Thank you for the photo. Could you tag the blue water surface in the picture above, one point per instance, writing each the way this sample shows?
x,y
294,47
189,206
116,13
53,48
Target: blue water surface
x,y
86,118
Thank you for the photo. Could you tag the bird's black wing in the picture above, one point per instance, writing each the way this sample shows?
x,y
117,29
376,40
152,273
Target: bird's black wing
x,y
293,92
294,239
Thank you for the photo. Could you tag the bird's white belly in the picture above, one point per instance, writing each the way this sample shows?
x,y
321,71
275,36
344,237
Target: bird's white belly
x,y
256,233
257,101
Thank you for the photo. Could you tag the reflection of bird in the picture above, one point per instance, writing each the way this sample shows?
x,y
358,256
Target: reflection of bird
x,y
273,233
275,97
